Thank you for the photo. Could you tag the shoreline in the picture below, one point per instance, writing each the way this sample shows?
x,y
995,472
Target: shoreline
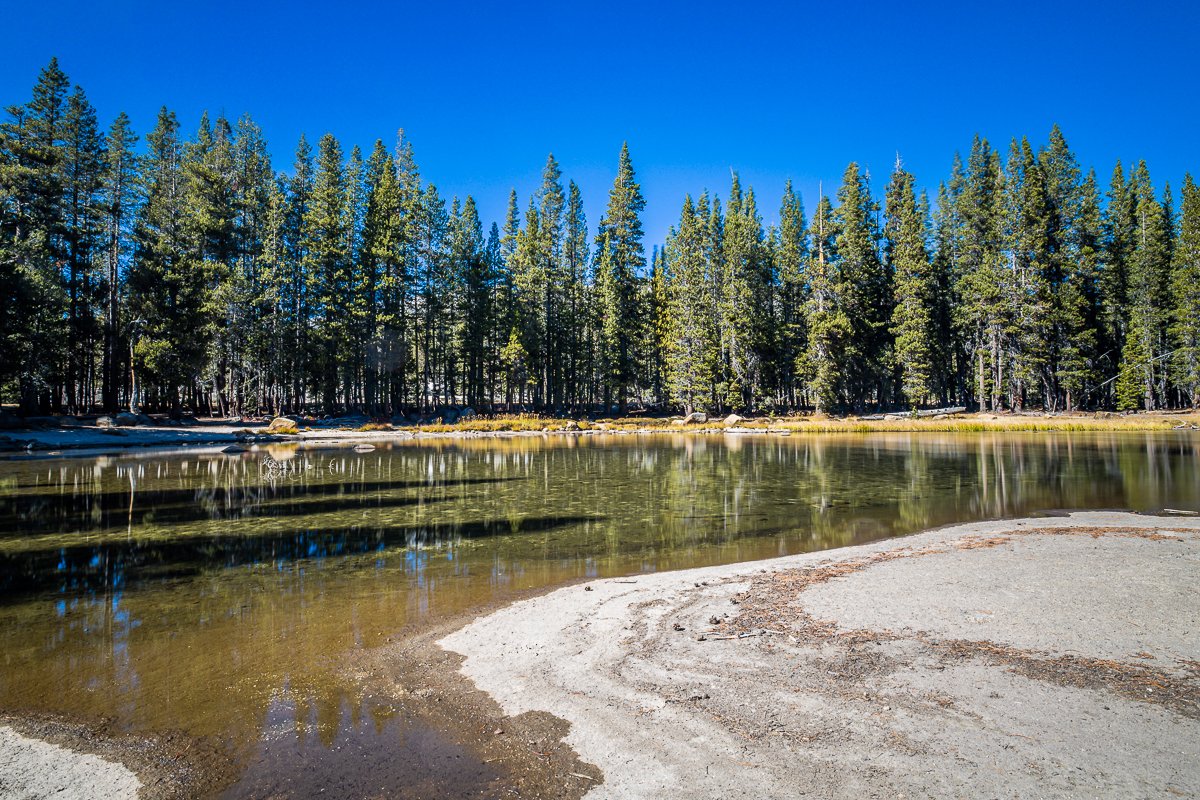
x,y
1027,662
214,436
621,703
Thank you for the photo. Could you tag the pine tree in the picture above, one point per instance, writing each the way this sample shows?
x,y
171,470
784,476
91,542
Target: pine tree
x,y
692,344
619,262
120,195
295,289
1185,297
553,282
1147,285
1079,302
952,365
378,265
169,305
744,323
791,263
1118,225
865,289
82,179
980,264
34,292
528,265
326,267
823,364
574,314
467,252
912,323
1030,343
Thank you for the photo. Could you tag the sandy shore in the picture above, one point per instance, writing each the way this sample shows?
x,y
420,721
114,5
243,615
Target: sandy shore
x,y
32,768
1050,657
83,438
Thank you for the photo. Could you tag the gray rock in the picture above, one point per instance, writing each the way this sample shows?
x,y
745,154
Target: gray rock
x,y
233,449
695,418
571,426
734,419
127,420
104,422
281,424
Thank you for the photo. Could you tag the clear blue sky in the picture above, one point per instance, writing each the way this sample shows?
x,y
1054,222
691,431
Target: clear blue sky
x,y
776,91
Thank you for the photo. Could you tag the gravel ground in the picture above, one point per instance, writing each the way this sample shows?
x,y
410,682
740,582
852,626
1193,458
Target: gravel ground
x,y
1053,657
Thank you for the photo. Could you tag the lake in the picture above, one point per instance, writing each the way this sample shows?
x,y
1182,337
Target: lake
x,y
223,595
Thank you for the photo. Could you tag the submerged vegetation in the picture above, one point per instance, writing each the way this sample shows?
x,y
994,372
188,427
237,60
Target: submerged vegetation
x,y
190,273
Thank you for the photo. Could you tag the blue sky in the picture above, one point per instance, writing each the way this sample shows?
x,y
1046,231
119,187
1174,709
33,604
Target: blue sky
x,y
776,91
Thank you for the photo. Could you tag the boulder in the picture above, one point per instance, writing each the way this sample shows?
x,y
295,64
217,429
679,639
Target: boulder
x,y
233,449
890,417
450,417
127,420
679,422
282,425
466,413
104,422
571,426
734,419
695,418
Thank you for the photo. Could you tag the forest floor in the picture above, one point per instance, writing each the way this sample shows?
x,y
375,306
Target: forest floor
x,y
1047,657
54,436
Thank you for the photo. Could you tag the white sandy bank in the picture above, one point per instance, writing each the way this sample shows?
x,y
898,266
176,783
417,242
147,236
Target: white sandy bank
x,y
31,769
912,703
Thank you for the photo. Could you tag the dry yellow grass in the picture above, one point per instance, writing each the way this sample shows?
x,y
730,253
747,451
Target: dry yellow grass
x,y
962,423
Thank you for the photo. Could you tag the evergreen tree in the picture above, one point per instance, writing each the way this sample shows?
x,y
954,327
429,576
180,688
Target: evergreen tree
x,y
34,293
120,196
295,290
912,323
1147,284
1030,345
326,267
575,312
1118,225
82,180
823,364
692,344
1079,301
1185,297
169,305
865,290
791,262
619,262
745,282
980,265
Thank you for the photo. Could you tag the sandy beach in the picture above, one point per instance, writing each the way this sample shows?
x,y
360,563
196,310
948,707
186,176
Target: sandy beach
x,y
1048,657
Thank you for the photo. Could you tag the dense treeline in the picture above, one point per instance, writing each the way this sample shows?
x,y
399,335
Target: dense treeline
x,y
186,272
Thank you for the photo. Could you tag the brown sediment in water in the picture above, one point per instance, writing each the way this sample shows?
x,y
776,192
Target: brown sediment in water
x,y
417,729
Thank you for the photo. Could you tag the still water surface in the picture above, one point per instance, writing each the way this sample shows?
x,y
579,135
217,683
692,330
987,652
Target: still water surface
x,y
221,595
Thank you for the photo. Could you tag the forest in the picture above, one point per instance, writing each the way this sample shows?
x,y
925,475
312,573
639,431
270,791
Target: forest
x,y
186,273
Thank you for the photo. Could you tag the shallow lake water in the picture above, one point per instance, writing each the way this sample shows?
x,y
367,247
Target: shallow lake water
x,y
222,595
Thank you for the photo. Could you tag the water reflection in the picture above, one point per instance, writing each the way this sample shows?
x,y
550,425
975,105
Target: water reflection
x,y
213,594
